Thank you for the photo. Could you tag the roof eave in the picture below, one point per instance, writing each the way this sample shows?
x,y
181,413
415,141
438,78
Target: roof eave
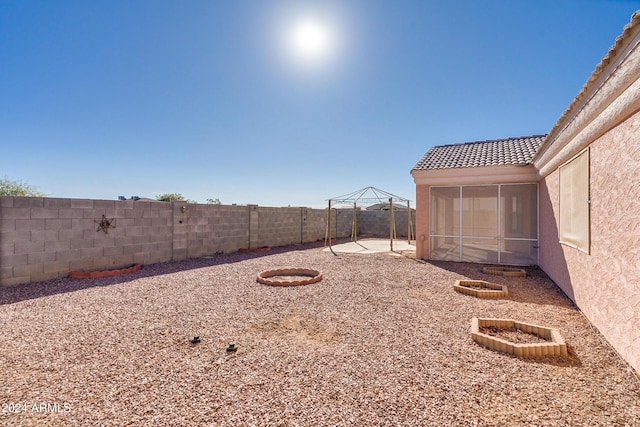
x,y
502,174
614,56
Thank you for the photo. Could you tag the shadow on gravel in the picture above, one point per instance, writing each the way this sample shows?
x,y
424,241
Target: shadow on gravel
x,y
535,288
28,291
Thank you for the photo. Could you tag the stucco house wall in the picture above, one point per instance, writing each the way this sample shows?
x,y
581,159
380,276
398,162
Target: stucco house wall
x,y
605,117
604,283
422,221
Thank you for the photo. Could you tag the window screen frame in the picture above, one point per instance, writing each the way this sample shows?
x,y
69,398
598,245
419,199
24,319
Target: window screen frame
x,y
500,236
570,199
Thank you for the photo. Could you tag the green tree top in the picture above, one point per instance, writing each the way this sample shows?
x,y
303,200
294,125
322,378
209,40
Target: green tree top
x,y
10,187
173,197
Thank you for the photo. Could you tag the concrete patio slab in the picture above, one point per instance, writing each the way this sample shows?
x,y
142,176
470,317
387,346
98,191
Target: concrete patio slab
x,y
371,246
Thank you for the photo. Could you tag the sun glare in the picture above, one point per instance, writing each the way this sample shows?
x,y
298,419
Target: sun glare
x,y
309,45
311,42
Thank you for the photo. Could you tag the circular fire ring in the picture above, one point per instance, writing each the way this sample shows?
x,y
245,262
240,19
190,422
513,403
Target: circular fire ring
x,y
271,277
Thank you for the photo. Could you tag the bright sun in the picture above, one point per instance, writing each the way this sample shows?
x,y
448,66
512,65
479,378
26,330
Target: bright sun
x,y
311,41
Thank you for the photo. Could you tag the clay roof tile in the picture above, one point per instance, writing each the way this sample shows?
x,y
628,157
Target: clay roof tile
x,y
508,151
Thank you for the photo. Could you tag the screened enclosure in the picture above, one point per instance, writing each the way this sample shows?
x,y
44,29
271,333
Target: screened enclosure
x,y
484,223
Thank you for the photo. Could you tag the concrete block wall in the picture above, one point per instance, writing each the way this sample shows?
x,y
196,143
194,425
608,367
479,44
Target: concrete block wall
x,y
377,222
230,228
313,224
341,223
209,229
46,238
279,226
283,226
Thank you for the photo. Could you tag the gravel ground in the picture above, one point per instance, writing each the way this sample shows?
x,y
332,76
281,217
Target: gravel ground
x,y
381,340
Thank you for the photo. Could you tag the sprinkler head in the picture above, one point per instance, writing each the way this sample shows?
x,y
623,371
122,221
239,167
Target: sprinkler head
x,y
232,347
195,340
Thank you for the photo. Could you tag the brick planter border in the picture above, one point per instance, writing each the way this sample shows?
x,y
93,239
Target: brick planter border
x,y
505,271
265,277
104,273
466,287
554,347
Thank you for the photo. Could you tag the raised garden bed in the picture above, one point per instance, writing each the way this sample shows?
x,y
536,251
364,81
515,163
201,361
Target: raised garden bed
x,y
481,289
505,271
518,338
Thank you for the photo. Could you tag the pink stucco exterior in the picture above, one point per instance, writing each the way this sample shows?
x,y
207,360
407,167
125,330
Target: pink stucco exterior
x,y
605,283
422,221
605,117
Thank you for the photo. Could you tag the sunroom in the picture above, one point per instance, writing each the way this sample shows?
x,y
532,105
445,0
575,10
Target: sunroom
x,y
478,202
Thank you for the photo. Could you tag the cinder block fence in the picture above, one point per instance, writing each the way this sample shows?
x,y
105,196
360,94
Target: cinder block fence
x,y
44,238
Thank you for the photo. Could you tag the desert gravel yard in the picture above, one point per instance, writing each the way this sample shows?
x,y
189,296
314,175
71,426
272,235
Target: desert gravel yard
x,y
381,340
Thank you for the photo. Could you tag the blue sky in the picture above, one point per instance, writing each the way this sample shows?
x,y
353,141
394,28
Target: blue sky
x,y
207,99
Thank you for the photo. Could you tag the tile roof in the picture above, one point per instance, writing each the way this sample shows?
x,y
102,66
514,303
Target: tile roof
x,y
508,151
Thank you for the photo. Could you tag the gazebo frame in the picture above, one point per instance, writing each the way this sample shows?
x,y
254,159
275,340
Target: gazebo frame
x,y
369,196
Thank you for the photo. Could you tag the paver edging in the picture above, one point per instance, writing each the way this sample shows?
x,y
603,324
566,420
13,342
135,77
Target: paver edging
x,y
314,276
496,291
555,346
104,273
505,271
